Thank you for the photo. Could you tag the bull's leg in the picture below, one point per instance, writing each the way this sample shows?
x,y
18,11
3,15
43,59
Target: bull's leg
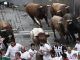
x,y
79,35
52,14
53,29
73,36
5,43
46,20
62,40
52,11
32,18
55,35
38,21
70,39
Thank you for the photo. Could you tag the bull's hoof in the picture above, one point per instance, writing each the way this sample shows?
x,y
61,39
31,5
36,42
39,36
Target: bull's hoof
x,y
48,26
40,26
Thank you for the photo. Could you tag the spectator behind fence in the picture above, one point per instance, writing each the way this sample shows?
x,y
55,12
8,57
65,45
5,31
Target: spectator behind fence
x,y
12,49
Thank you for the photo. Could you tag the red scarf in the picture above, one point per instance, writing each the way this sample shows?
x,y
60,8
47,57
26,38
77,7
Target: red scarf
x,y
66,59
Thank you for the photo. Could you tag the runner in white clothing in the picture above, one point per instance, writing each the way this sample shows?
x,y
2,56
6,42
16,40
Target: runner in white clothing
x,y
59,49
53,57
77,46
12,49
45,50
26,56
72,55
32,51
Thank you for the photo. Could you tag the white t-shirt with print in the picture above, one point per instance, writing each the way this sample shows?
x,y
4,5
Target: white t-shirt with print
x,y
12,50
25,55
45,51
77,46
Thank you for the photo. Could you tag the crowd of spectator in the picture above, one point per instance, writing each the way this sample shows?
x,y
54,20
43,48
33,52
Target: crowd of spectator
x,y
58,51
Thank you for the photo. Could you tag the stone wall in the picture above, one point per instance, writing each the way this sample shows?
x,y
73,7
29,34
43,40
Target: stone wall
x,y
20,2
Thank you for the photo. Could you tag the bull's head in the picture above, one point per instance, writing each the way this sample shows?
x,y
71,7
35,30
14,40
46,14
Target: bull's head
x,y
64,9
67,7
58,11
67,21
68,18
43,10
40,6
78,19
7,34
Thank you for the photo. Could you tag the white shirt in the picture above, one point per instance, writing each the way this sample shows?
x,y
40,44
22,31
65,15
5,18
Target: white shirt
x,y
46,51
25,55
12,50
58,50
60,58
32,54
55,58
77,46
75,52
71,55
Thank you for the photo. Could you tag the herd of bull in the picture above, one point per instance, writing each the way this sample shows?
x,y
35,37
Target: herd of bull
x,y
66,24
62,20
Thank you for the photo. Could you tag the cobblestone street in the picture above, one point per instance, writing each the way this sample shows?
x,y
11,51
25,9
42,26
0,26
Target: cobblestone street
x,y
23,24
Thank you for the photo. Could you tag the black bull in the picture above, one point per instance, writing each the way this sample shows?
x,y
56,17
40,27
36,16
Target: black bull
x,y
68,27
8,35
74,28
6,32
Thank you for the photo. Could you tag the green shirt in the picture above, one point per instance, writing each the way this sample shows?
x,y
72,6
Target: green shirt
x,y
5,58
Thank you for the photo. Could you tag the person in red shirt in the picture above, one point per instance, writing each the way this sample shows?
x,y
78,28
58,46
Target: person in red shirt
x,y
64,56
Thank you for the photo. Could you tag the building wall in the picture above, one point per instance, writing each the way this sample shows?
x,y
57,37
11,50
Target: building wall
x,y
77,7
20,2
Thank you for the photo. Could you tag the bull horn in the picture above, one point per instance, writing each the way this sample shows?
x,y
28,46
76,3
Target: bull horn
x,y
67,7
3,30
41,6
58,11
59,22
48,5
78,18
69,20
